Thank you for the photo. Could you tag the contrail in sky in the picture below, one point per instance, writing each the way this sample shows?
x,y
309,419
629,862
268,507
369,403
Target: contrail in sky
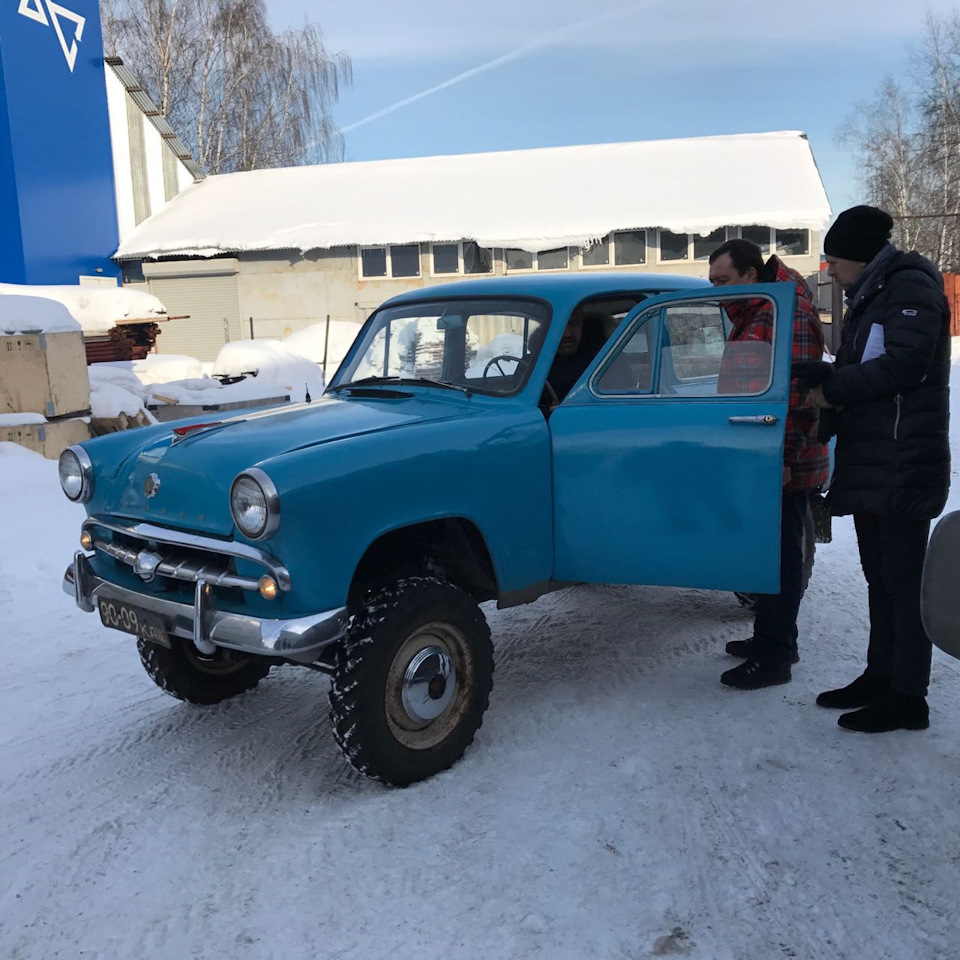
x,y
542,41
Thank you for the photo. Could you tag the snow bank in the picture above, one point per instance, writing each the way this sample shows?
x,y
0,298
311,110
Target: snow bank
x,y
309,342
114,391
162,368
543,198
274,363
96,309
23,313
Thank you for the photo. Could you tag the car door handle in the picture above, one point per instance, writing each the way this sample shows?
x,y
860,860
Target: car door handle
x,y
767,420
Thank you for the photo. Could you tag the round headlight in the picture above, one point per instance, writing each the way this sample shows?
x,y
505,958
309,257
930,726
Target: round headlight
x,y
255,505
76,474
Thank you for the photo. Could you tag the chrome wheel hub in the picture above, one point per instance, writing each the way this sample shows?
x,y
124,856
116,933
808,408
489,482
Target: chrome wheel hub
x,y
429,684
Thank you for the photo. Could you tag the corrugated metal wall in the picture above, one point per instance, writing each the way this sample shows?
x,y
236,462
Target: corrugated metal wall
x,y
951,286
212,304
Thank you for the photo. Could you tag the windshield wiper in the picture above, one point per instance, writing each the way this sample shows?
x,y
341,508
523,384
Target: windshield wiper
x,y
401,381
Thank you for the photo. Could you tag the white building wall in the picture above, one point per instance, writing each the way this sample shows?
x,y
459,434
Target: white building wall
x,y
117,109
154,148
120,144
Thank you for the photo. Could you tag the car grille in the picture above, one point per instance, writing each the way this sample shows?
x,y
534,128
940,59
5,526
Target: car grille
x,y
158,552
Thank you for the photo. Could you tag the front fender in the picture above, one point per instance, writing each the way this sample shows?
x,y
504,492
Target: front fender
x,y
492,469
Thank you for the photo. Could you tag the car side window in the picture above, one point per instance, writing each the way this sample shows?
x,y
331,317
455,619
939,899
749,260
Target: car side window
x,y
631,369
692,349
693,357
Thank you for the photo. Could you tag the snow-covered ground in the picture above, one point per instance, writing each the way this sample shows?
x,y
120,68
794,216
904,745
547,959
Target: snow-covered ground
x,y
617,803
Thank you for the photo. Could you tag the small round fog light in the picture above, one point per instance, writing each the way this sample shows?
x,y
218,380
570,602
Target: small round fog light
x,y
86,541
268,588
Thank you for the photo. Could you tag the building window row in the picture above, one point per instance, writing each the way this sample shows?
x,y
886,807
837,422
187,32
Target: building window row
x,y
623,248
694,246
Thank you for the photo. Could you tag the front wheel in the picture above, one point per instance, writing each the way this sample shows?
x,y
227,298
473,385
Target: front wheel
x,y
187,674
412,680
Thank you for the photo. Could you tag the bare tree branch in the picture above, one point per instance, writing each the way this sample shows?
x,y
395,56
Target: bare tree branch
x,y
243,96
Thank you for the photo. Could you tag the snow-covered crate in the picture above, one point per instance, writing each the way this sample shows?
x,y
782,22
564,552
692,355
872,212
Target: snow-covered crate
x,y
49,439
44,373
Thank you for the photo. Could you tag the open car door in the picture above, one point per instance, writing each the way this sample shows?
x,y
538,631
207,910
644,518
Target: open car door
x,y
668,453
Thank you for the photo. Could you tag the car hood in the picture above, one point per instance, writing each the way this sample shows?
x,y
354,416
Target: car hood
x,y
183,480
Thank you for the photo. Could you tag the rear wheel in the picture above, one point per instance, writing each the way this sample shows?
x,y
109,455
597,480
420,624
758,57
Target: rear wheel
x,y
412,680
187,674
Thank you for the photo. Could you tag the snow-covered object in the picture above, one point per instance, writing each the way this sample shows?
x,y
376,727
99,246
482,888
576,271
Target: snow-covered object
x,y
162,368
527,199
24,313
114,391
274,363
21,419
309,342
96,309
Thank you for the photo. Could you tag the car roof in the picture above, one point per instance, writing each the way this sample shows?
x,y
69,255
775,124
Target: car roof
x,y
564,286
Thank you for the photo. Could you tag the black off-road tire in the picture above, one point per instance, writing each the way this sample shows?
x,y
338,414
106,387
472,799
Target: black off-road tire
x,y
398,621
185,673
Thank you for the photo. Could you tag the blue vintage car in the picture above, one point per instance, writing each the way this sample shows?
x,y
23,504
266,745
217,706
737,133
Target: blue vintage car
x,y
484,440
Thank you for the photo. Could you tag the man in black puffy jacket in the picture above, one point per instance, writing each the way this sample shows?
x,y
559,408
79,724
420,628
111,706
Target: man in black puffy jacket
x,y
889,391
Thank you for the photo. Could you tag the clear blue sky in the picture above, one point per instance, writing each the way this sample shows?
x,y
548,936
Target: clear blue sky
x,y
572,72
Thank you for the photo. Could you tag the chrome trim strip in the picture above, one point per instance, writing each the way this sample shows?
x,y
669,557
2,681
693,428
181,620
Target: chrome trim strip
x,y
271,494
186,570
225,548
300,639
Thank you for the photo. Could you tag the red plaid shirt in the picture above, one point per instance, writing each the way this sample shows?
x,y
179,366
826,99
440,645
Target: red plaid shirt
x,y
743,371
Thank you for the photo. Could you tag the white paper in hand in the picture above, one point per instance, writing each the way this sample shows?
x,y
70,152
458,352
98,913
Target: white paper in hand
x,y
874,347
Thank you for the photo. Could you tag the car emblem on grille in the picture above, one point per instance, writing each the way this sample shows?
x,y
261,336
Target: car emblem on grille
x,y
151,485
145,566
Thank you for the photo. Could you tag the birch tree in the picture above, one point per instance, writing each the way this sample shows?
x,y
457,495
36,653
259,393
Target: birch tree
x,y
242,96
907,145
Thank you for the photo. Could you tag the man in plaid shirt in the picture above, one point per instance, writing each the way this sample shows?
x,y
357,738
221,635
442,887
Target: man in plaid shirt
x,y
770,651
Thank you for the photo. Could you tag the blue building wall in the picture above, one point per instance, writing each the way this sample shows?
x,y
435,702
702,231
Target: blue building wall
x,y
58,216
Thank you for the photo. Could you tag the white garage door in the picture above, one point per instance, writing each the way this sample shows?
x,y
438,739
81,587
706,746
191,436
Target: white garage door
x,y
213,308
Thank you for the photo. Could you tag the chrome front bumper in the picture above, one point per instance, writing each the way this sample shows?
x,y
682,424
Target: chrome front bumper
x,y
300,640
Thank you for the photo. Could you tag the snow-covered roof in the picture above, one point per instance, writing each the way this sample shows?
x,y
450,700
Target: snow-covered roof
x,y
96,309
529,199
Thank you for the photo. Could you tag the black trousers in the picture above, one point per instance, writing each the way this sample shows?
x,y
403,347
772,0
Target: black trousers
x,y
775,625
892,549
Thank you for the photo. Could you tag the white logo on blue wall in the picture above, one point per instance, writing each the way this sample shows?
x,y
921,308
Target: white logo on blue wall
x,y
33,10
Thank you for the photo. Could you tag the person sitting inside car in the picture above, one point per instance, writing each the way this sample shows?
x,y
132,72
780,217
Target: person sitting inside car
x,y
573,357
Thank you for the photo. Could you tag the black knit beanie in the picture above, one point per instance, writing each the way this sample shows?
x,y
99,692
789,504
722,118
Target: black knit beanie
x,y
859,233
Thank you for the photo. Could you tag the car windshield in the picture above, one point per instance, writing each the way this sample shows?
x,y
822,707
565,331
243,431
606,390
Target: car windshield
x,y
483,345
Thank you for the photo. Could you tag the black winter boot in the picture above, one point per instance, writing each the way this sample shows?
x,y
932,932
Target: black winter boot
x,y
752,676
746,650
892,711
865,689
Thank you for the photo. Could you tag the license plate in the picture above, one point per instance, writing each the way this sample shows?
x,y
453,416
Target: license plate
x,y
121,616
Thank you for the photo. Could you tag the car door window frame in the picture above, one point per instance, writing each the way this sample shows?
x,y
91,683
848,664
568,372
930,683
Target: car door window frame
x,y
656,313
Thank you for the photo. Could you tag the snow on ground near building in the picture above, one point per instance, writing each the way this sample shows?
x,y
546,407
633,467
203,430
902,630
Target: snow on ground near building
x,y
618,801
544,198
96,309
33,314
313,342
